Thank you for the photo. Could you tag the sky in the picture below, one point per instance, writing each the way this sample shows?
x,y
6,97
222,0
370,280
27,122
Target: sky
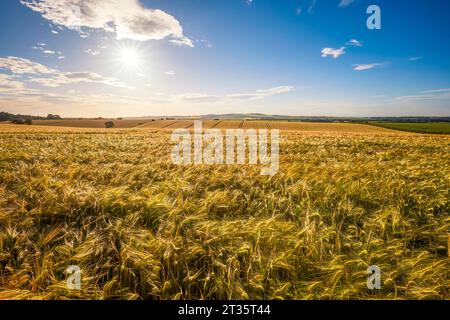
x,y
131,58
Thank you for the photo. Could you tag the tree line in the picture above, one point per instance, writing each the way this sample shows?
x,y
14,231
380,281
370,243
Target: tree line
x,y
25,119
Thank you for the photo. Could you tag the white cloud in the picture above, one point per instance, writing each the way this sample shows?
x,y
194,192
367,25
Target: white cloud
x,y
261,94
64,78
429,95
78,104
415,58
23,66
437,90
128,19
335,53
345,3
207,43
9,84
363,67
184,41
311,7
50,77
47,52
355,43
92,52
256,95
170,73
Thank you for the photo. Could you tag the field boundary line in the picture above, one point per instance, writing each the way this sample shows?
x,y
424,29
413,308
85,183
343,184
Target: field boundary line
x,y
148,124
190,126
216,124
170,124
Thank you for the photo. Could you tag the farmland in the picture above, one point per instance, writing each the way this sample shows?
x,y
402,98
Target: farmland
x,y
139,227
426,127
216,124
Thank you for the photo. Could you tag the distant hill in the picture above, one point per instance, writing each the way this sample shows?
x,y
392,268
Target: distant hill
x,y
5,116
260,116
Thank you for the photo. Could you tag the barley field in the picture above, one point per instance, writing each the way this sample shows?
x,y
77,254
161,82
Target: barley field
x,y
140,227
215,124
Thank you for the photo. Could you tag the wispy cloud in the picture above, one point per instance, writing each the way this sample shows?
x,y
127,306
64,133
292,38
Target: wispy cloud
x,y
205,42
183,42
311,7
92,52
345,3
364,67
49,77
128,19
415,58
256,95
261,94
335,53
10,84
429,95
23,66
437,90
355,43
40,46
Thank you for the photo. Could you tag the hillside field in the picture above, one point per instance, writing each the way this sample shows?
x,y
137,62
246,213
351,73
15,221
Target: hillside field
x,y
213,124
140,227
425,127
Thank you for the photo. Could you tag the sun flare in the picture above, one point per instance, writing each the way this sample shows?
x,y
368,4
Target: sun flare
x,y
130,58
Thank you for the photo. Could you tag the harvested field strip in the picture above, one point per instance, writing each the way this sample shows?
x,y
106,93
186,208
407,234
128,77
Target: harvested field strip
x,y
149,124
90,123
166,125
216,124
182,124
255,125
191,125
228,124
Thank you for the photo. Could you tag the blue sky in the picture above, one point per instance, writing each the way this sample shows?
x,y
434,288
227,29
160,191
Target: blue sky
x,y
85,58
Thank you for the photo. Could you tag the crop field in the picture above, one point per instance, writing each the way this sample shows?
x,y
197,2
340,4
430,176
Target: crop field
x,y
217,124
428,127
140,227
90,123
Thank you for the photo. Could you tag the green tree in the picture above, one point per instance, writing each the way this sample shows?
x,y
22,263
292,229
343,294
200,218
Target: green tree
x,y
109,124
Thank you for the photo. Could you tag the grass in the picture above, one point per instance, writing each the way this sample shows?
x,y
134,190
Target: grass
x,y
427,127
139,227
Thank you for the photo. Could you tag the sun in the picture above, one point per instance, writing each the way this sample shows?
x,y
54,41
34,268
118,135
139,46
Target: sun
x,y
130,58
